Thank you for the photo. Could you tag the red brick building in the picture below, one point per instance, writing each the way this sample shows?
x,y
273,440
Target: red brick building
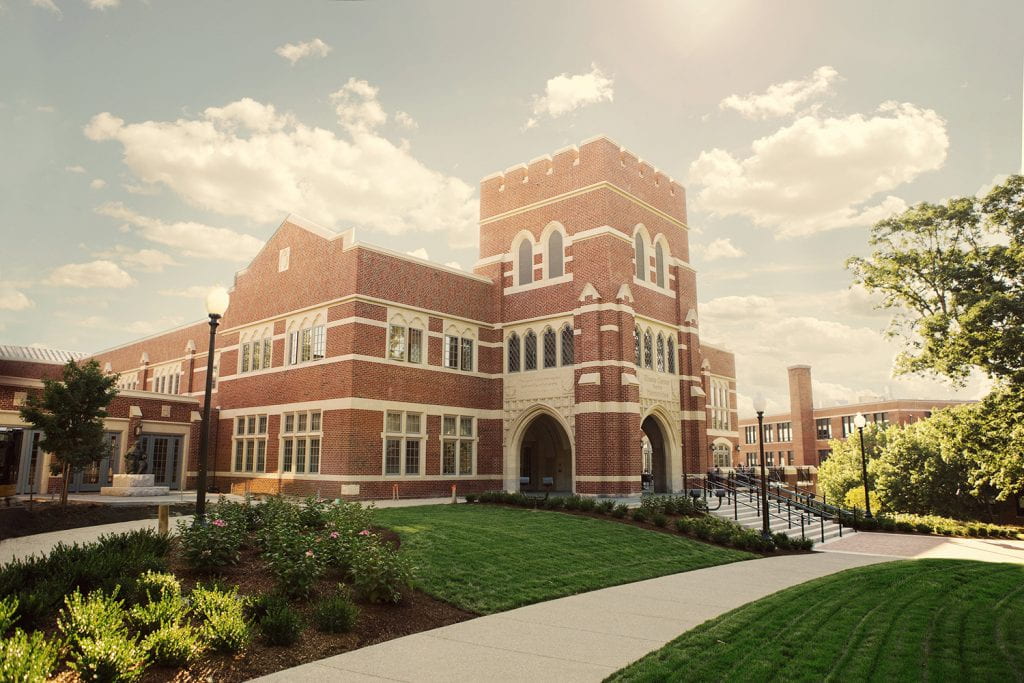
x,y
801,437
351,370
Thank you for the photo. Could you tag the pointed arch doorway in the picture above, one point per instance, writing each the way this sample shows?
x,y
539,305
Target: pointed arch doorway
x,y
545,456
656,461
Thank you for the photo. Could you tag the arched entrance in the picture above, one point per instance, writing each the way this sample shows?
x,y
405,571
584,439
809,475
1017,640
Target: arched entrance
x,y
658,474
545,456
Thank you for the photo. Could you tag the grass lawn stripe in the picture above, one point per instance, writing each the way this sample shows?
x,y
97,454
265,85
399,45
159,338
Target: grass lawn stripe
x,y
933,620
489,559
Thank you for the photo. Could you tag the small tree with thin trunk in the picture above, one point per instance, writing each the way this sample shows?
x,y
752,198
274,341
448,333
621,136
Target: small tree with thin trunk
x,y
70,415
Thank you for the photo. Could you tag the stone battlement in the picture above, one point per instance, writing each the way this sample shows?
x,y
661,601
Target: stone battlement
x,y
572,168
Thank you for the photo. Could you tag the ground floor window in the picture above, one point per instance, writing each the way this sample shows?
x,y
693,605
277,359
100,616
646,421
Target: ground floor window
x,y
458,438
301,439
403,443
250,444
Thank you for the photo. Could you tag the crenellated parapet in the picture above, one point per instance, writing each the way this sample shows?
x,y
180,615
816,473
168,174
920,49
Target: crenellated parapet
x,y
597,160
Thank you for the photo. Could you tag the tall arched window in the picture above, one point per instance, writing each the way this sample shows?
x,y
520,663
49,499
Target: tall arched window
x,y
659,265
671,356
530,351
648,350
556,255
513,353
636,347
550,348
568,345
641,256
661,353
525,262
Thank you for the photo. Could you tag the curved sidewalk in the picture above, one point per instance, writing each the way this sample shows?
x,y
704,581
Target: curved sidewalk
x,y
583,637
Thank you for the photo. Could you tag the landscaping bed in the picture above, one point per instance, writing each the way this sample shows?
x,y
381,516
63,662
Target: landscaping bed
x,y
19,520
933,620
256,590
929,524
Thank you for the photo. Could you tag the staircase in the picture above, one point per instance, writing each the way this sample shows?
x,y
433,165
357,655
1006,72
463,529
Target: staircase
x,y
790,512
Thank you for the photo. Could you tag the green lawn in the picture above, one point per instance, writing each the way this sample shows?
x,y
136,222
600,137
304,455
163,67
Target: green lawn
x,y
487,558
924,620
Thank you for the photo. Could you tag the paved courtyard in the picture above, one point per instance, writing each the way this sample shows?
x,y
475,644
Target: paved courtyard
x,y
919,547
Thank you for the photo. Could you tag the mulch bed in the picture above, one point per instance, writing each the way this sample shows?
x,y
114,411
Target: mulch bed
x,y
18,520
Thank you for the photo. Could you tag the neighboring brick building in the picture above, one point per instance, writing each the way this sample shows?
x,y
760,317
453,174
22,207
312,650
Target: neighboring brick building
x,y
346,369
800,438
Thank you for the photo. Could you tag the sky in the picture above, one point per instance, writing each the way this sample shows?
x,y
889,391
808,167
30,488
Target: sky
x,y
151,147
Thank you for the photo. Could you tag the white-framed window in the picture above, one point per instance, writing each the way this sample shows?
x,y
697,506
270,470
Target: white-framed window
x,y
403,443
405,343
769,433
249,445
301,441
823,428
785,432
458,351
307,344
128,382
848,426
514,352
167,379
458,439
718,402
750,434
255,354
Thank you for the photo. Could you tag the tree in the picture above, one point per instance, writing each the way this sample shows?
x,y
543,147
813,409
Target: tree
x,y
842,471
954,276
70,415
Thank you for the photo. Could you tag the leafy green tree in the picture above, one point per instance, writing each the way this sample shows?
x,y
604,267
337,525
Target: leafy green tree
x,y
924,468
70,415
993,442
842,471
954,276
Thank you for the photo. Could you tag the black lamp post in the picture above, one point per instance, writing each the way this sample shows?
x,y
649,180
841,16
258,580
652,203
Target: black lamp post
x,y
759,406
860,422
216,303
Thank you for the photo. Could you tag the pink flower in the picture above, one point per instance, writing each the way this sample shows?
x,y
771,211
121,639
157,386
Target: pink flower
x,y
219,522
309,553
364,532
334,534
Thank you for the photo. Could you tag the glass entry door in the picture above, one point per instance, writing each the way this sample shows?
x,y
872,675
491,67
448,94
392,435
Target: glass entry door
x,y
30,471
98,474
163,455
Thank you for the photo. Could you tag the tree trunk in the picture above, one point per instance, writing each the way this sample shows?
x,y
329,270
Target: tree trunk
x,y
65,483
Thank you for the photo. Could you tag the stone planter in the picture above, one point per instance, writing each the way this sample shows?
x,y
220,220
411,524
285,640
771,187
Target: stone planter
x,y
134,485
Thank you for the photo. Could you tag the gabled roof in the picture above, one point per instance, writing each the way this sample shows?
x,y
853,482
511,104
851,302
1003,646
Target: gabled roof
x,y
38,354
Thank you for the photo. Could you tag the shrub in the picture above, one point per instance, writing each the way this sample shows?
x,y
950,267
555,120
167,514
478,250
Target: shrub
x,y
685,525
904,527
659,519
155,586
169,611
554,503
211,545
471,497
8,613
93,616
620,510
587,504
242,516
27,658
296,563
336,614
174,645
923,528
379,573
605,507
313,513
280,624
223,613
571,502
112,657
639,515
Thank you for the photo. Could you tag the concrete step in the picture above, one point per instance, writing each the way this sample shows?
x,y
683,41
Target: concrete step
x,y
750,519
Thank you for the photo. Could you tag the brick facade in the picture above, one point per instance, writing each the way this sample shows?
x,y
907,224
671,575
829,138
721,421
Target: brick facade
x,y
581,217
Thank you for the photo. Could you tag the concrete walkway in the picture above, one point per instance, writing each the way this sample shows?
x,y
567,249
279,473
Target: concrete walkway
x,y
912,546
584,637
38,544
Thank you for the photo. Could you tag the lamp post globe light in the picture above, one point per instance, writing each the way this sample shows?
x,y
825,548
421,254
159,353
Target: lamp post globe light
x,y
860,422
216,303
759,406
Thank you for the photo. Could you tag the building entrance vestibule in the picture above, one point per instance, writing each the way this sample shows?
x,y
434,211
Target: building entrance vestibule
x,y
545,457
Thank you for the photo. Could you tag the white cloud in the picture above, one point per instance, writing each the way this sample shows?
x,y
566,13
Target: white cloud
x,y
150,260
188,237
246,159
566,93
98,183
191,292
767,269
101,273
48,5
74,169
103,4
294,52
136,327
419,253
46,108
13,300
405,121
819,174
783,99
144,189
722,248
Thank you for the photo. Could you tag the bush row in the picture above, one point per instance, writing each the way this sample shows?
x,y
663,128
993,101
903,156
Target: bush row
x,y
926,524
656,510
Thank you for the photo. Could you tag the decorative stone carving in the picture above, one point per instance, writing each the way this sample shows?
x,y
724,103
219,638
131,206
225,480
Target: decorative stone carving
x,y
134,485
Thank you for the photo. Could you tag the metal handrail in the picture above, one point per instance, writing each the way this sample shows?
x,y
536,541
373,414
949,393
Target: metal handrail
x,y
734,494
805,499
